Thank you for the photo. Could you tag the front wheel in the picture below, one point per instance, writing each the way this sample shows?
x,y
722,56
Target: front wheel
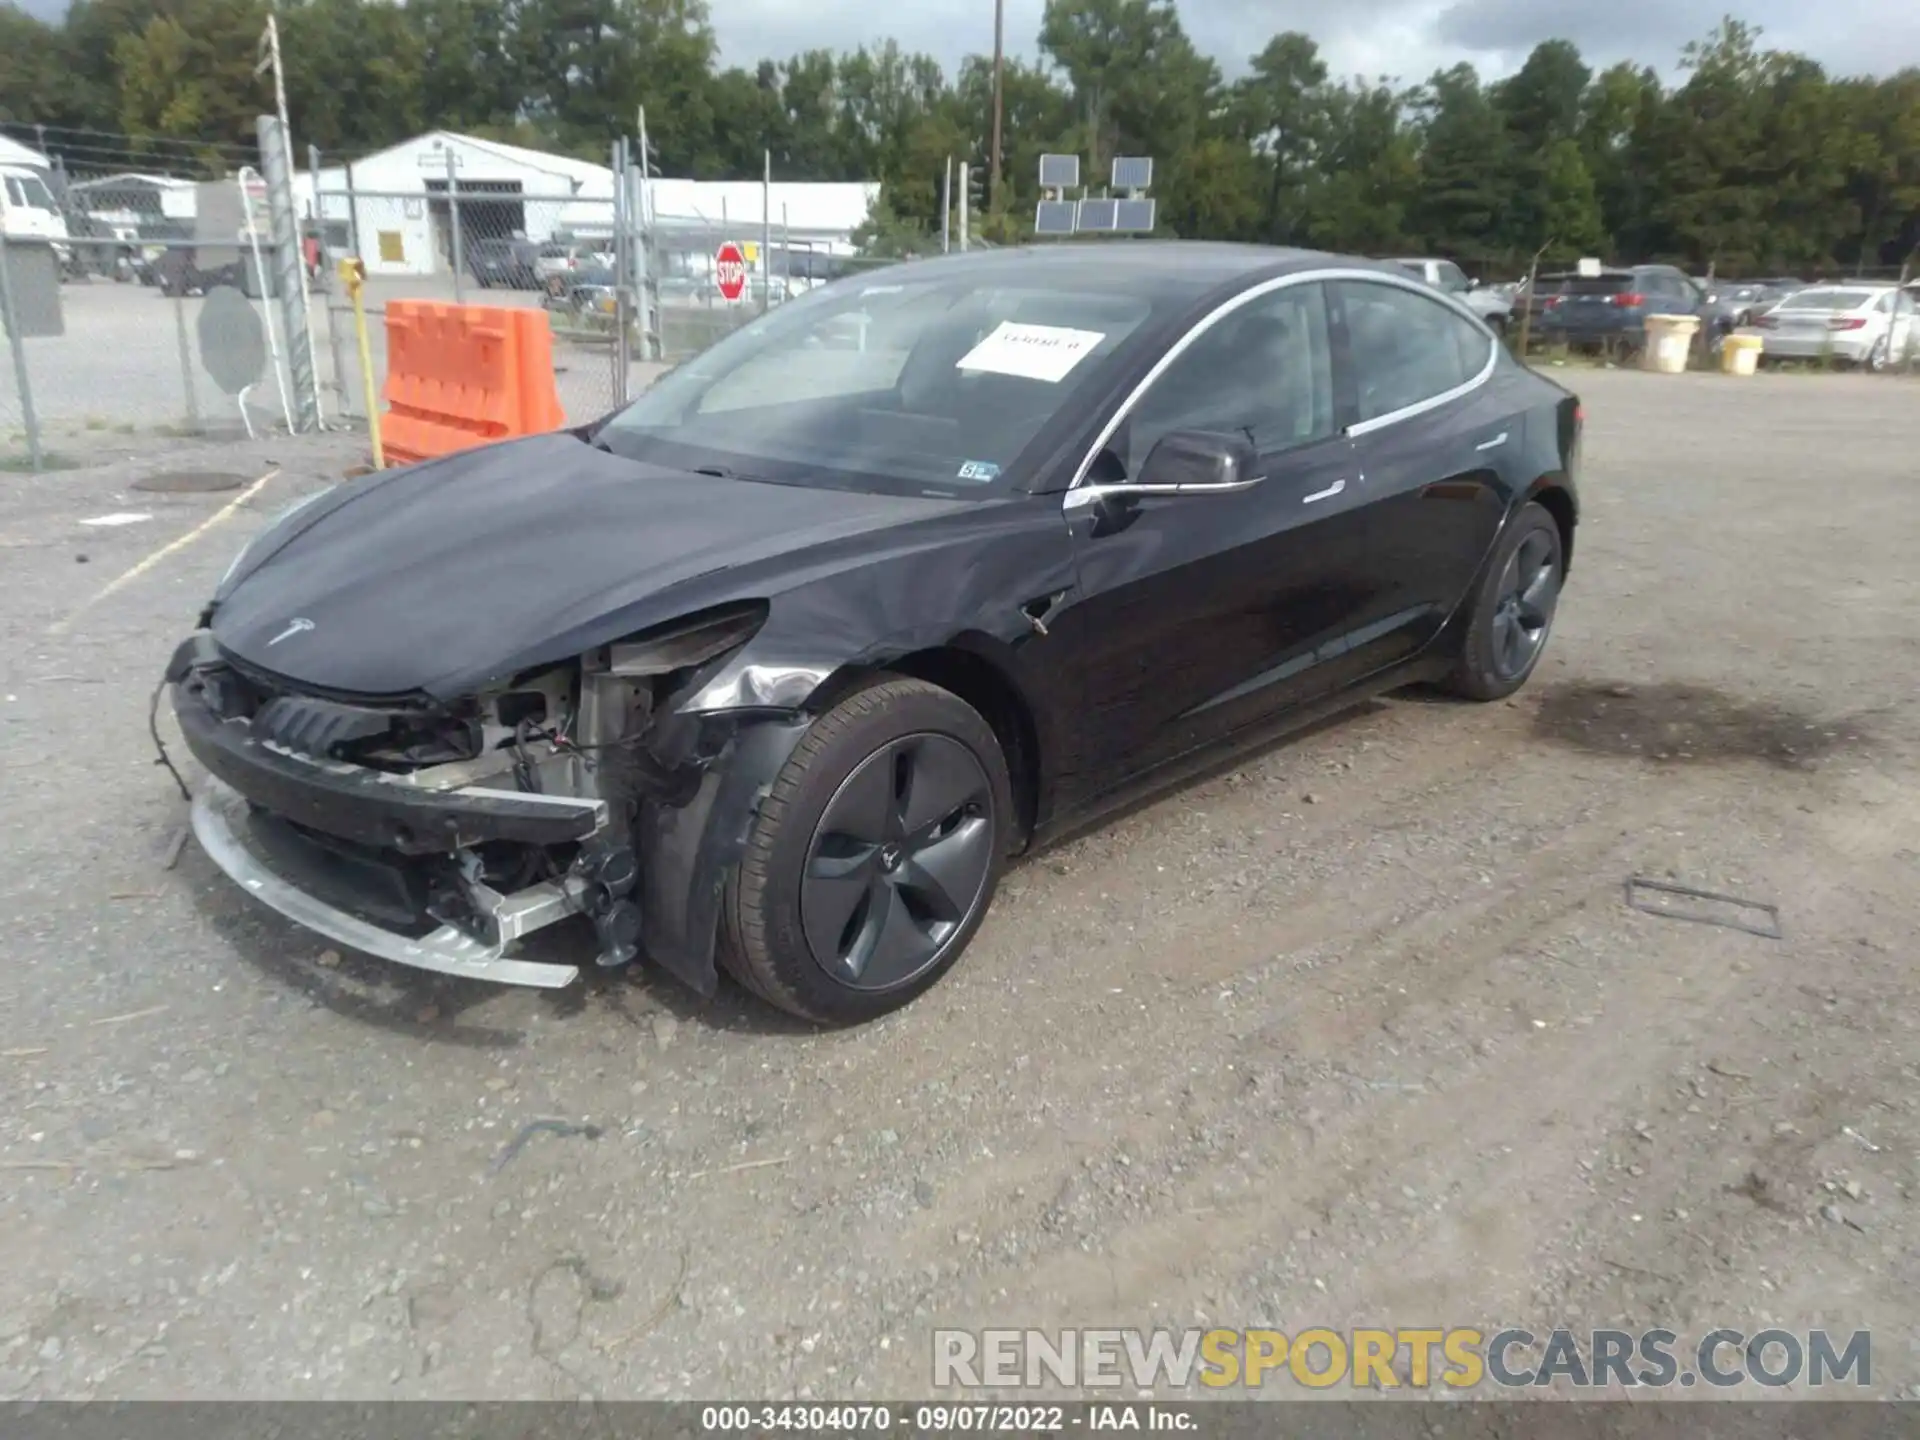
x,y
1512,612
874,856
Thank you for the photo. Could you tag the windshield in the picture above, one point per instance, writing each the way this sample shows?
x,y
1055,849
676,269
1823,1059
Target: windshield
x,y
916,386
1827,300
28,190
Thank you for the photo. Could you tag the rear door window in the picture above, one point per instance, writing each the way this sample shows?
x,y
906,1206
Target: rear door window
x,y
1406,347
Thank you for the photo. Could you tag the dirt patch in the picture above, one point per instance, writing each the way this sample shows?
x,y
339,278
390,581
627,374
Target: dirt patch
x,y
1680,724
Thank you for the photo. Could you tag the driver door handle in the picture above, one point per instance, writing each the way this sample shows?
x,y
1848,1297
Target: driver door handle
x,y
1327,494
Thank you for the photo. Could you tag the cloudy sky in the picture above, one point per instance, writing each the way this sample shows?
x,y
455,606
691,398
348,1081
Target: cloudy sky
x,y
1408,38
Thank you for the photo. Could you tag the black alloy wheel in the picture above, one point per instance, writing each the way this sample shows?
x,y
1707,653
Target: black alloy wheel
x,y
1529,586
874,856
898,861
1511,615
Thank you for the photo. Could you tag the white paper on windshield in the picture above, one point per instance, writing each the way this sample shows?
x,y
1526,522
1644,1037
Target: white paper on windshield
x,y
1032,352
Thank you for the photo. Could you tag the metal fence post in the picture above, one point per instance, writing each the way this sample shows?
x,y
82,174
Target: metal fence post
x,y
17,343
766,233
622,275
289,273
340,407
186,362
353,216
453,215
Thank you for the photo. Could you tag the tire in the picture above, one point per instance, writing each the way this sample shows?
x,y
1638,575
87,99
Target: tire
x,y
892,731
1489,666
1880,357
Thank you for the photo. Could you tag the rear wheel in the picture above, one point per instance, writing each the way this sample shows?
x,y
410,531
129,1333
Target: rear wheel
x,y
1881,355
1512,611
874,856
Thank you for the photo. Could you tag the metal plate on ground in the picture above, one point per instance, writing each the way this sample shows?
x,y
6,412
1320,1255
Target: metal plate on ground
x,y
1704,907
191,482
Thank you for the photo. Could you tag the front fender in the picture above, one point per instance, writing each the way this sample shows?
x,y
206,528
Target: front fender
x,y
687,852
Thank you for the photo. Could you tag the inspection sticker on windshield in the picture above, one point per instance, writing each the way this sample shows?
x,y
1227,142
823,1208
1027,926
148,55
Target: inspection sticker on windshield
x,y
979,470
1032,352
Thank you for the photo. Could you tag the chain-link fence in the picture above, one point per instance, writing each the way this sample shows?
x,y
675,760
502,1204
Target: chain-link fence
x,y
133,303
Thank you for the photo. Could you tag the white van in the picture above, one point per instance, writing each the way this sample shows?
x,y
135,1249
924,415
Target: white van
x,y
28,210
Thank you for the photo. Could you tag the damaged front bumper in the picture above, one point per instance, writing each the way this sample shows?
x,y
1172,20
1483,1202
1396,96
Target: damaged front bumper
x,y
221,823
447,865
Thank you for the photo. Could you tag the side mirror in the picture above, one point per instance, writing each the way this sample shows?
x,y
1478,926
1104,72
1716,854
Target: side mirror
x,y
1473,282
1183,462
1195,460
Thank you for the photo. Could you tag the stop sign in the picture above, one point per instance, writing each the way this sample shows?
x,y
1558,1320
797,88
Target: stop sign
x,y
730,270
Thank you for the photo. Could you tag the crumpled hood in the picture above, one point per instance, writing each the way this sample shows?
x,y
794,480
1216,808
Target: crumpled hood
x,y
450,574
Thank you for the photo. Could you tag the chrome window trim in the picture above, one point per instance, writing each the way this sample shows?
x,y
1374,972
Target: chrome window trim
x,y
1282,282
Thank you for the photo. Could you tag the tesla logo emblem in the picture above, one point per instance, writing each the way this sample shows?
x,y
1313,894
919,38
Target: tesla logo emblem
x,y
294,627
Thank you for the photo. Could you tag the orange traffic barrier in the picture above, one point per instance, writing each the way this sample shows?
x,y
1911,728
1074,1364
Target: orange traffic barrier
x,y
465,375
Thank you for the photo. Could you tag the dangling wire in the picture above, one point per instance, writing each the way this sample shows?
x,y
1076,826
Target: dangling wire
x,y
153,729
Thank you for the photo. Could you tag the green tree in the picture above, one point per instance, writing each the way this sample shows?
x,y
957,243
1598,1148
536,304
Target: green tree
x,y
1571,224
1466,165
470,63
35,70
188,73
354,72
1140,86
1367,182
1282,105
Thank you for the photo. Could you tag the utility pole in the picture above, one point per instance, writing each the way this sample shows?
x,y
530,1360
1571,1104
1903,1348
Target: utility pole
x,y
966,218
766,233
993,174
946,207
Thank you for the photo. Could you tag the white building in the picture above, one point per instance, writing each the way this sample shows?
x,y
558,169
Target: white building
x,y
401,213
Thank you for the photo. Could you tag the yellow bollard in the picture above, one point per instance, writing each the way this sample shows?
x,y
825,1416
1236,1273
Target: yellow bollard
x,y
353,274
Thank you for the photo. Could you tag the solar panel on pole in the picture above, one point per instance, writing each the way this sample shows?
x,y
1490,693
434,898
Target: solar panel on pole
x,y
1059,172
1133,215
1132,172
1055,217
1098,215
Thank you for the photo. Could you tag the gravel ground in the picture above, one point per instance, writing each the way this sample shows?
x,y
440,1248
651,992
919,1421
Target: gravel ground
x,y
1359,1032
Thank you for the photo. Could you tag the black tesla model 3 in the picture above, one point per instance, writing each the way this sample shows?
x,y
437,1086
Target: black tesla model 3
x,y
772,670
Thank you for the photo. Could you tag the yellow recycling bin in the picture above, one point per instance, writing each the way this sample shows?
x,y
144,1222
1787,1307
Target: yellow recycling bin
x,y
1669,338
1740,354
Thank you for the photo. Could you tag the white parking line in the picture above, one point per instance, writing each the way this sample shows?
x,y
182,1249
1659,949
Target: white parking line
x,y
171,547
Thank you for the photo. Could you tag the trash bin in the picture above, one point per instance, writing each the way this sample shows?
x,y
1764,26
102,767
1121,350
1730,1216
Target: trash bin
x,y
1740,354
1669,338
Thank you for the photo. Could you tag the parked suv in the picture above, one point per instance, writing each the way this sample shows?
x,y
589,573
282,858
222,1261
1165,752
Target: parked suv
x,y
1611,308
509,263
1489,305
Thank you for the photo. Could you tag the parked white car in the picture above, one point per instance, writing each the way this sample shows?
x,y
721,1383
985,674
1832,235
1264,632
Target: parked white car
x,y
1490,303
1871,325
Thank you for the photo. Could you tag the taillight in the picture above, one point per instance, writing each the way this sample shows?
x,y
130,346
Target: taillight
x,y
1629,299
1553,300
1847,324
